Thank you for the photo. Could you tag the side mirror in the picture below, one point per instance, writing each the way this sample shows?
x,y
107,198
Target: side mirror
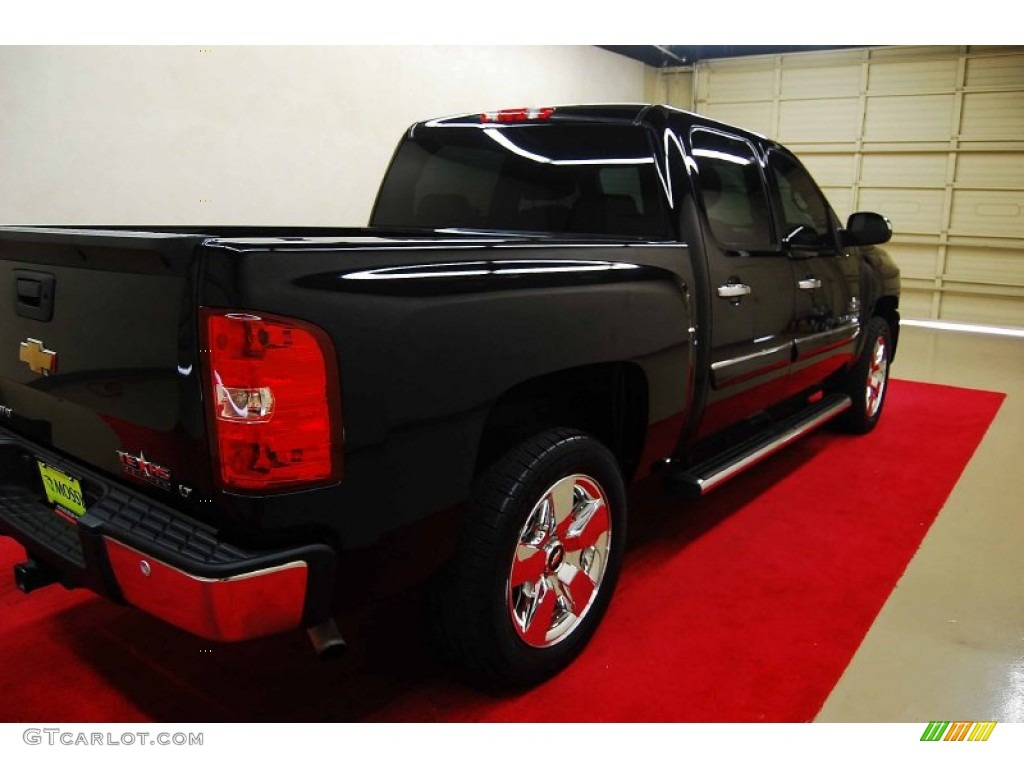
x,y
865,228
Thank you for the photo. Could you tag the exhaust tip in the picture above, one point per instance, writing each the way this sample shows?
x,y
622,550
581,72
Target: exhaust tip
x,y
327,640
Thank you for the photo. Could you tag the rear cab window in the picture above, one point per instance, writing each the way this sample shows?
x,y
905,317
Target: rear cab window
x,y
731,187
553,179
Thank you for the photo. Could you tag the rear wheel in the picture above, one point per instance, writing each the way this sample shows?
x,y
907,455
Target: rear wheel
x,y
537,561
869,379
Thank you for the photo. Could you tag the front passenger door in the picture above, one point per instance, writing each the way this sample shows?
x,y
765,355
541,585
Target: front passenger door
x,y
752,290
827,280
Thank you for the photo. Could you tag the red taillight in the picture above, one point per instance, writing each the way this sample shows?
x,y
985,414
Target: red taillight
x,y
272,388
517,115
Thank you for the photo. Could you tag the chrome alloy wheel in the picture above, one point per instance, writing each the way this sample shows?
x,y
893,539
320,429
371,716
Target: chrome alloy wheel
x,y
878,368
559,562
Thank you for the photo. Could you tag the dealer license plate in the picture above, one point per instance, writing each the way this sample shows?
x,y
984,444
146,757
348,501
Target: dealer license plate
x,y
64,492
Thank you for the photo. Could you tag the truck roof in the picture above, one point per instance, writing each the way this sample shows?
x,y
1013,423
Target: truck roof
x,y
583,113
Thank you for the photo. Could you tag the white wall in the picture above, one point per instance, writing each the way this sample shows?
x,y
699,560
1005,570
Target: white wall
x,y
250,135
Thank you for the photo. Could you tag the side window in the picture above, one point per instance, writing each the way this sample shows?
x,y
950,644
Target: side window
x,y
731,187
805,214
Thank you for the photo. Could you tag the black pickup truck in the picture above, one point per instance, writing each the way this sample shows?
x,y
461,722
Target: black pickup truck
x,y
245,430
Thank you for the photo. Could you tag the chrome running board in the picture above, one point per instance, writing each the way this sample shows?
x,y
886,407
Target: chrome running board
x,y
701,478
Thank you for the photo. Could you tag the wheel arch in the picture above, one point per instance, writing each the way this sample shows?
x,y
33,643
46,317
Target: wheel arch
x,y
607,400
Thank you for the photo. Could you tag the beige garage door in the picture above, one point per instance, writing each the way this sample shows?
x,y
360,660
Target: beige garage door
x,y
932,137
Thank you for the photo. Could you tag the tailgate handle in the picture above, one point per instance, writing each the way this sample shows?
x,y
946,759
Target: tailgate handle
x,y
29,291
33,294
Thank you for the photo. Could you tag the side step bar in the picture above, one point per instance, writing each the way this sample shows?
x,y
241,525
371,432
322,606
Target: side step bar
x,y
699,479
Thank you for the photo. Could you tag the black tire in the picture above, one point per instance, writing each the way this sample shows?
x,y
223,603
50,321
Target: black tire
x,y
868,382
483,620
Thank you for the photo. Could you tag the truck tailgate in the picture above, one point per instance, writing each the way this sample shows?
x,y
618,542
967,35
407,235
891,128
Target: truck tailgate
x,y
98,353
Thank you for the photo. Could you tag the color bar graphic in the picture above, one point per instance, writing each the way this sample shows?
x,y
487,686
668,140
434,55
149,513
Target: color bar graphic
x,y
940,730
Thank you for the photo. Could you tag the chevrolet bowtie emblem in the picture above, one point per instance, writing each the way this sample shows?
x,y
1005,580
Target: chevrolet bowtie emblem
x,y
38,358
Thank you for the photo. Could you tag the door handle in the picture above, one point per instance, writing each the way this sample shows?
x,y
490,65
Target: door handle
x,y
809,283
733,290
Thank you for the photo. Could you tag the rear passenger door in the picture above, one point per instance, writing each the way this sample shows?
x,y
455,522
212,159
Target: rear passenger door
x,y
751,280
826,278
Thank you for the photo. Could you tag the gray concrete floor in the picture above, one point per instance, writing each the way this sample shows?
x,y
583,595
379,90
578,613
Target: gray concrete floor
x,y
949,643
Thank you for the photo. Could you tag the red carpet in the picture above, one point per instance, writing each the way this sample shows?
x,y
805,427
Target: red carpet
x,y
744,606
